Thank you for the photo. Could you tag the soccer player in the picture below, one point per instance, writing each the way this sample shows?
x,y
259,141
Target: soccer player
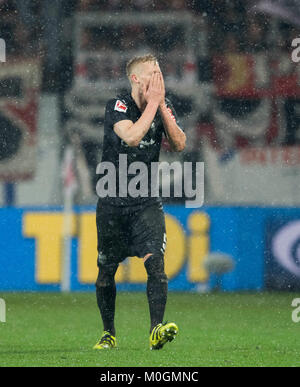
x,y
135,226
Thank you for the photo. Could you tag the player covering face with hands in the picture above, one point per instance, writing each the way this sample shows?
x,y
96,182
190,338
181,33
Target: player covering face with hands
x,y
135,226
154,89
148,92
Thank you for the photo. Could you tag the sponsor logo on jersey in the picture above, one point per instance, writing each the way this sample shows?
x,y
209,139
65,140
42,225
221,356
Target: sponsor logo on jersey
x,y
120,106
144,144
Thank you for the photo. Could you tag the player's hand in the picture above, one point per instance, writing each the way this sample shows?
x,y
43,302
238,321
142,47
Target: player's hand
x,y
155,91
163,101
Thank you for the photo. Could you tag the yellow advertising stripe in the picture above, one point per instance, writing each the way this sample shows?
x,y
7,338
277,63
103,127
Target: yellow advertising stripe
x,y
198,246
47,229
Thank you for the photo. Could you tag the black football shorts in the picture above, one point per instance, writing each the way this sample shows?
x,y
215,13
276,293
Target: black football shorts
x,y
124,232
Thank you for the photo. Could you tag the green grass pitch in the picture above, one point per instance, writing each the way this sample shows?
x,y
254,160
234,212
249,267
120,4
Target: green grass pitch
x,y
224,329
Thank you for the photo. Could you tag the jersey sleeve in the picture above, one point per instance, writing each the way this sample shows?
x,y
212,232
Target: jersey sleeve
x,y
116,110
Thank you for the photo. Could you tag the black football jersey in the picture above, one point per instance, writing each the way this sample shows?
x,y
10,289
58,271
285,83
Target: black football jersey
x,y
125,108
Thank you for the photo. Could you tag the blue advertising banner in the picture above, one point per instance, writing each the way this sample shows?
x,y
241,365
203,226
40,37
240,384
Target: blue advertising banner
x,y
283,254
31,248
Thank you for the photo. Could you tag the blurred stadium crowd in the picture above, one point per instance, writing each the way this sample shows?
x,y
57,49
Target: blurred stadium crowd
x,y
228,69
229,25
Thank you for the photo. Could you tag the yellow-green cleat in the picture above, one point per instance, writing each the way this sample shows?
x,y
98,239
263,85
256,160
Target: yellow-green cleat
x,y
107,341
161,334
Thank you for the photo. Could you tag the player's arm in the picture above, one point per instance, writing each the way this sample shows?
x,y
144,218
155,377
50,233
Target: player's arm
x,y
132,133
175,135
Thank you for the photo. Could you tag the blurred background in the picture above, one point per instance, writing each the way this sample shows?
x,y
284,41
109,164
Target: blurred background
x,y
229,71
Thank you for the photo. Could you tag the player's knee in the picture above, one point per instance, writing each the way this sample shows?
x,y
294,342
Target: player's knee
x,y
106,275
147,256
155,267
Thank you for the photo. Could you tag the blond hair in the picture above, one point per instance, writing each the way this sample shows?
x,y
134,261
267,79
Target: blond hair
x,y
139,59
